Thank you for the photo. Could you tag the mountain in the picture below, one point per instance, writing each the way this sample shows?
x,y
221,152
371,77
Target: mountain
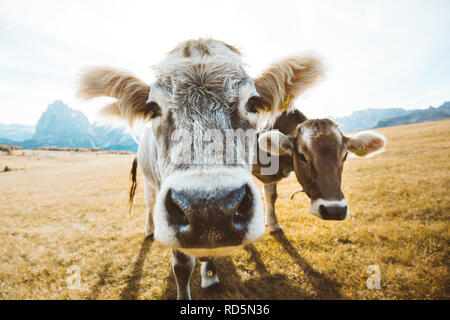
x,y
61,126
110,138
16,132
416,116
7,142
367,118
379,118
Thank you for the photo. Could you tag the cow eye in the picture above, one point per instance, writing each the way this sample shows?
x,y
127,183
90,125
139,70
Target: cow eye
x,y
152,110
253,104
302,157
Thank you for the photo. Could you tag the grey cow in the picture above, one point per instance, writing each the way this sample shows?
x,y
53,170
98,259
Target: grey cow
x,y
199,203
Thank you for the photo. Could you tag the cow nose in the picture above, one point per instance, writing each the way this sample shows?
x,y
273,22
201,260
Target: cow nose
x,y
210,219
333,212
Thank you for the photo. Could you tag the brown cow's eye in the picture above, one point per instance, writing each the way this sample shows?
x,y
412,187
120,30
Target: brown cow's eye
x,y
152,110
253,104
302,157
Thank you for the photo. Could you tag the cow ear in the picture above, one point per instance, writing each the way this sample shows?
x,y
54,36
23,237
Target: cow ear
x,y
275,143
284,81
131,93
366,143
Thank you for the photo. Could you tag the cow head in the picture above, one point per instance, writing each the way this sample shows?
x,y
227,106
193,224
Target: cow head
x,y
207,203
318,150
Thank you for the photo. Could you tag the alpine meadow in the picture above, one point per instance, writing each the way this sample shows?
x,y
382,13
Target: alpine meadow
x,y
66,232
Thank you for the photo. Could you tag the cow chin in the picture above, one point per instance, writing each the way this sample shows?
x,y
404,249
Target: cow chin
x,y
211,212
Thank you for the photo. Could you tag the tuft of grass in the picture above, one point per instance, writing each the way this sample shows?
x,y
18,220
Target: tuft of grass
x,y
65,232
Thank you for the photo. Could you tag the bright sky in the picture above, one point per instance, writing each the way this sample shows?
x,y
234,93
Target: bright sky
x,y
379,53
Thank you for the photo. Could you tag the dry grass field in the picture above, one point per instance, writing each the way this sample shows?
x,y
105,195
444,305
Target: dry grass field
x,y
65,214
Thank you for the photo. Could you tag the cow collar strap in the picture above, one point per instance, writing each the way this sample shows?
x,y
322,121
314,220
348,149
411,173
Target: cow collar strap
x,y
298,191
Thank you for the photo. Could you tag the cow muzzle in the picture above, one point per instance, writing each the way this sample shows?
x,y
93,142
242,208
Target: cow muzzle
x,y
208,213
330,209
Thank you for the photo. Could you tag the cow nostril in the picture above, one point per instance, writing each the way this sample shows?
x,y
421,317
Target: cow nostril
x,y
333,212
243,212
176,215
323,211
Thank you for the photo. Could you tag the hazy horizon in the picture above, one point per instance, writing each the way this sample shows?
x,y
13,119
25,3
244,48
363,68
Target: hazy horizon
x,y
379,54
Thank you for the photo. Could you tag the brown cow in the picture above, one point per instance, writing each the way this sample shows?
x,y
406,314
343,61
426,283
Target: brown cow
x,y
315,150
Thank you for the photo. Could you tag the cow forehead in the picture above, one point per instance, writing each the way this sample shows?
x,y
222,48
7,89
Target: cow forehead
x,y
205,93
198,84
202,80
206,77
320,133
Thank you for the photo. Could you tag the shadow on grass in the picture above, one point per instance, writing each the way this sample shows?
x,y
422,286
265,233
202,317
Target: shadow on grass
x,y
226,272
261,284
324,287
131,291
226,289
95,290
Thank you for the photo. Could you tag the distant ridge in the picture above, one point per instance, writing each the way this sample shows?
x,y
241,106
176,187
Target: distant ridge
x,y
380,118
16,132
416,116
61,126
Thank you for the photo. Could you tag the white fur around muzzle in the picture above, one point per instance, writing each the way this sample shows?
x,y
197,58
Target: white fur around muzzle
x,y
315,206
211,180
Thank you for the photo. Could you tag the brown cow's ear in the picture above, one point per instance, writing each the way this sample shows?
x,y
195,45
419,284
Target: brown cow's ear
x,y
131,93
276,143
284,81
365,143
